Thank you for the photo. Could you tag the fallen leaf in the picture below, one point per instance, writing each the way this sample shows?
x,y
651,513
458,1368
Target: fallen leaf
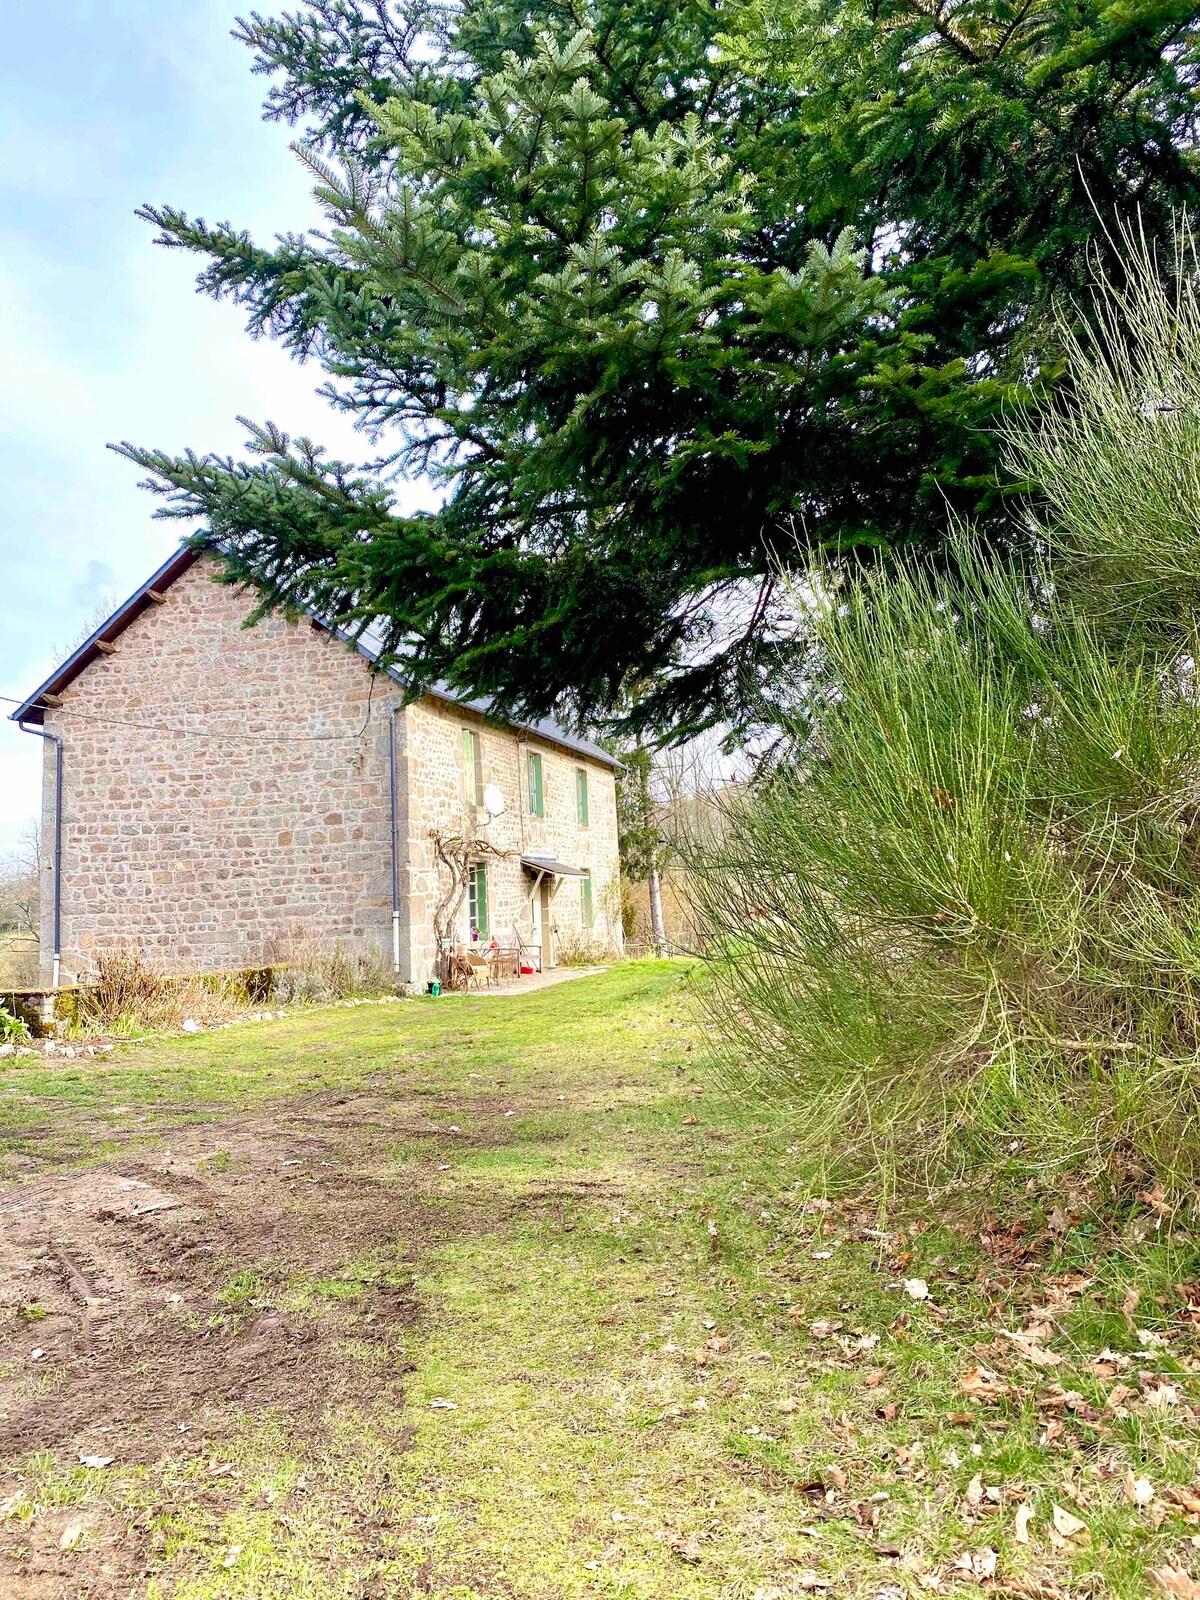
x,y
71,1536
1139,1490
916,1288
1032,1351
1156,1199
811,1580
977,1563
231,1555
788,1404
1129,1305
983,1384
1160,1395
1188,1500
1176,1582
1117,1396
1068,1525
1021,1529
685,1549
974,1491
836,1476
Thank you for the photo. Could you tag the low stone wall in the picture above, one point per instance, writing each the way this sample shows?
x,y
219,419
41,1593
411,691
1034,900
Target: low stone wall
x,y
36,1007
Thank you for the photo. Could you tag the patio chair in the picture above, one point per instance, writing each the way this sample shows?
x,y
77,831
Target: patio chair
x,y
478,962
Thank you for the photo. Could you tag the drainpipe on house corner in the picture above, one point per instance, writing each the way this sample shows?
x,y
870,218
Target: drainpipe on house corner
x,y
395,844
56,740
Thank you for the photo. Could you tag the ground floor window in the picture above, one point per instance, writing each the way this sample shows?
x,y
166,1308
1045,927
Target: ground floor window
x,y
477,900
585,899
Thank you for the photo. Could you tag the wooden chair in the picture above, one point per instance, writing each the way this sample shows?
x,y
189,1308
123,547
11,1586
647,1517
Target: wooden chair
x,y
478,963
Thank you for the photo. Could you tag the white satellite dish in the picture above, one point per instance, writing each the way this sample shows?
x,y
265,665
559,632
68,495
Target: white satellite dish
x,y
493,801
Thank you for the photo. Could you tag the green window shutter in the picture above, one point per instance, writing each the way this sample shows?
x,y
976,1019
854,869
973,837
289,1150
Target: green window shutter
x,y
470,762
581,795
479,917
536,808
585,898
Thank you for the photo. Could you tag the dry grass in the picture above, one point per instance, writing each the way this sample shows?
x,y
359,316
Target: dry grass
x,y
18,960
126,994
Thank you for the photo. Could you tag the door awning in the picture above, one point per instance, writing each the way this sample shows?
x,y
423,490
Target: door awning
x,y
552,868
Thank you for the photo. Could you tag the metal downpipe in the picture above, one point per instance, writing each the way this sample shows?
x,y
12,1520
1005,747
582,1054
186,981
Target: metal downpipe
x,y
56,740
395,842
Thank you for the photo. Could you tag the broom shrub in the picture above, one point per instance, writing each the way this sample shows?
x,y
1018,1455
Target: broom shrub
x,y
961,918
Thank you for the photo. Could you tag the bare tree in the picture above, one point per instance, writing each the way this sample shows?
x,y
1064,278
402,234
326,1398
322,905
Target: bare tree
x,y
21,885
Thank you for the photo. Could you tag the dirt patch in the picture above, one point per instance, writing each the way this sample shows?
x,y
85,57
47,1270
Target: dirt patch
x,y
151,1304
114,1285
148,1307
68,1554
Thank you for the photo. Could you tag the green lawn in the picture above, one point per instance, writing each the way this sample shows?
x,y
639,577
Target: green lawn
x,y
559,1320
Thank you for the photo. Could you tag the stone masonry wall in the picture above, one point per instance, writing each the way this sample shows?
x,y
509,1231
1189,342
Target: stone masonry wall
x,y
225,789
436,800
226,793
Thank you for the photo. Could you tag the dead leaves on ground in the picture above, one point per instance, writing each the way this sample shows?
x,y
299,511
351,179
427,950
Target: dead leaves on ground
x,y
977,1564
1175,1581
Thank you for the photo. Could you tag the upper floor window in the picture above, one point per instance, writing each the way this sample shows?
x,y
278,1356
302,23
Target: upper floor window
x,y
581,796
537,805
472,760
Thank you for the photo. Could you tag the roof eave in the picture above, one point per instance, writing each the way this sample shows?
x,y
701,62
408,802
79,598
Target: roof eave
x,y
34,708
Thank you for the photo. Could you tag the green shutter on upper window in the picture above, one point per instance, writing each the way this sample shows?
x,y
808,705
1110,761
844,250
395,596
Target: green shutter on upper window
x,y
581,796
536,807
470,764
585,899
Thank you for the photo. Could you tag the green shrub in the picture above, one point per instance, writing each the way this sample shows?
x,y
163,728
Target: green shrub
x,y
13,1030
963,916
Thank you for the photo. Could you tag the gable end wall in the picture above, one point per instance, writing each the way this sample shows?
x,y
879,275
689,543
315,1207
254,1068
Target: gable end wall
x,y
225,790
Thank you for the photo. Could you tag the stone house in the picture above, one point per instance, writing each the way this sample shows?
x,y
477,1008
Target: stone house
x,y
220,792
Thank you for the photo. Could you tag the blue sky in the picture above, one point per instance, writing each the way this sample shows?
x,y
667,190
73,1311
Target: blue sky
x,y
102,336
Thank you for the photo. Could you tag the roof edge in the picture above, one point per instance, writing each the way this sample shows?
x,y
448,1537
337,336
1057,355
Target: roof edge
x,y
107,633
35,707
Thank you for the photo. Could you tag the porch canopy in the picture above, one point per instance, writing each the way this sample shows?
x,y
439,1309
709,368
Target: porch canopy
x,y
548,867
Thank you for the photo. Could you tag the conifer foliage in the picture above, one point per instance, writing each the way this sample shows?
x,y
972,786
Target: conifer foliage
x,y
652,311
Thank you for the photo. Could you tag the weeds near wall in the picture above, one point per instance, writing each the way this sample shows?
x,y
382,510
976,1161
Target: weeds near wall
x,y
314,971
127,995
13,1030
582,950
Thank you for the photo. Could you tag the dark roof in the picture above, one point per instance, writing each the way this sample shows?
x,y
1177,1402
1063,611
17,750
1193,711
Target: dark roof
x,y
35,707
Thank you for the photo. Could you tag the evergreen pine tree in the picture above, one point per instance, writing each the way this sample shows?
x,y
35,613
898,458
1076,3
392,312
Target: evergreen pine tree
x,y
654,311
